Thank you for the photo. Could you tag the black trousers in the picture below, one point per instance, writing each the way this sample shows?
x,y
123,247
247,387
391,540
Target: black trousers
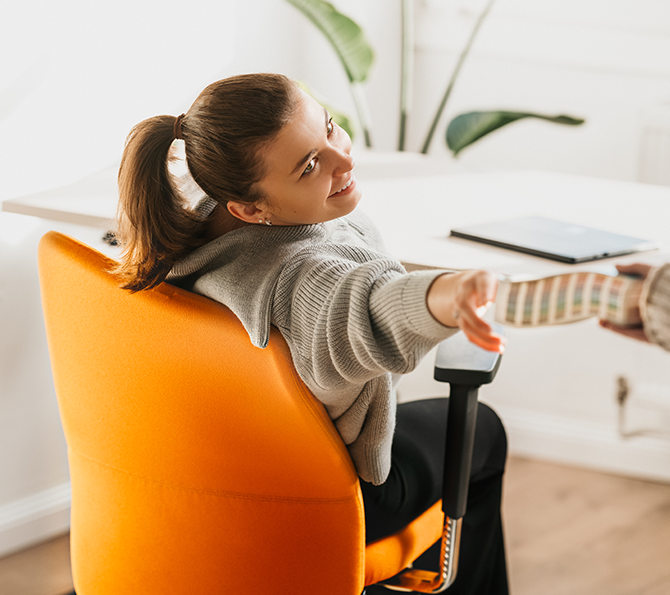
x,y
415,484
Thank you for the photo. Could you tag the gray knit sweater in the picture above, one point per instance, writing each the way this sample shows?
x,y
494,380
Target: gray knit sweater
x,y
655,306
351,315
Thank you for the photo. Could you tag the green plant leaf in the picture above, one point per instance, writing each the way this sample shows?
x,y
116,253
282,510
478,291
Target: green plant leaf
x,y
406,68
468,128
454,75
346,37
343,122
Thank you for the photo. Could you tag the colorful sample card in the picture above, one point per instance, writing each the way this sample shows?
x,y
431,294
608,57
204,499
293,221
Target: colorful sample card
x,y
530,302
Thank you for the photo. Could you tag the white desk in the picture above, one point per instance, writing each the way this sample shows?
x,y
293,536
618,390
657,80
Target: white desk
x,y
416,213
90,201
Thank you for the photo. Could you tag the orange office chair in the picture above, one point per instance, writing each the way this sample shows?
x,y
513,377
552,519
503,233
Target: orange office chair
x,y
199,463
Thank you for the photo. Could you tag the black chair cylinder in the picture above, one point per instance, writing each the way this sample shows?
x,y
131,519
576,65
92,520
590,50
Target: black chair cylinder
x,y
465,367
461,424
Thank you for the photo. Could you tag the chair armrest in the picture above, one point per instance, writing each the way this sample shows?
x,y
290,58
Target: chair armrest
x,y
465,367
459,361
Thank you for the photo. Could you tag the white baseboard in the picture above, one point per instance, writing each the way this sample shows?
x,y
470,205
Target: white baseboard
x,y
585,444
34,518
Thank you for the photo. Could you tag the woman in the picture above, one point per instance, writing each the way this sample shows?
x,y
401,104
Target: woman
x,y
277,240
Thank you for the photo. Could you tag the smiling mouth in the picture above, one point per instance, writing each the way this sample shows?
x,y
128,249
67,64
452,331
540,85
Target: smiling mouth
x,y
345,187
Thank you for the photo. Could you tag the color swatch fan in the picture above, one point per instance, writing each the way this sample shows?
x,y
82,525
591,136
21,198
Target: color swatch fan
x,y
532,301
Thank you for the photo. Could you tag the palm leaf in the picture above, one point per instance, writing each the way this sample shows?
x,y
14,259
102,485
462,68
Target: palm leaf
x,y
467,128
351,47
346,37
343,121
454,75
406,69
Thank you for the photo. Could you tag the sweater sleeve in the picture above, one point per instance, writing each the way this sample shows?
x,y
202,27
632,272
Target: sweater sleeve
x,y
655,306
349,322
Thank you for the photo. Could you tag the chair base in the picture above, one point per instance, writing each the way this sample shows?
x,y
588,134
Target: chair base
x,y
424,581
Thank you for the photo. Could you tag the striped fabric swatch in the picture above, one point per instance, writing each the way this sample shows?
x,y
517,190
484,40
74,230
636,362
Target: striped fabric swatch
x,y
528,302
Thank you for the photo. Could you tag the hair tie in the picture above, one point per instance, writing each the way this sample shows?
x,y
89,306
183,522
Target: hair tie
x,y
176,131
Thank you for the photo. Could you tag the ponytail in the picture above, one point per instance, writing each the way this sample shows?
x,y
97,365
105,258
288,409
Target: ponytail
x,y
223,133
155,225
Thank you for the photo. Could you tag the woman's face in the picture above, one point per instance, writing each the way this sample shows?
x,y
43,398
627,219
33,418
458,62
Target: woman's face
x,y
310,177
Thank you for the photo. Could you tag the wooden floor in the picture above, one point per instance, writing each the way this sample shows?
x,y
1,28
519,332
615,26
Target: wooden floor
x,y
41,570
569,532
575,532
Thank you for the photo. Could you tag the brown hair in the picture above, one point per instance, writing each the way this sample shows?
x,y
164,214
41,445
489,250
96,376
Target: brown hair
x,y
223,132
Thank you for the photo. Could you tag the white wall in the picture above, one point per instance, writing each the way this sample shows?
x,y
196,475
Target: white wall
x,y
82,73
34,489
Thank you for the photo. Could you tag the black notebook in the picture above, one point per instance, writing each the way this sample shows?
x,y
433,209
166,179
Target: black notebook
x,y
557,240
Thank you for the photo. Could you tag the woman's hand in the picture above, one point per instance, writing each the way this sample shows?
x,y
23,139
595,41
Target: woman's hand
x,y
460,300
635,332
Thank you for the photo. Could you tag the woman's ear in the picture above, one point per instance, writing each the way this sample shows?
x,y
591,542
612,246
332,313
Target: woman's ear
x,y
245,211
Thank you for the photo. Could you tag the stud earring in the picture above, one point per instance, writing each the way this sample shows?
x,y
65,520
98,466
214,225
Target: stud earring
x,y
268,222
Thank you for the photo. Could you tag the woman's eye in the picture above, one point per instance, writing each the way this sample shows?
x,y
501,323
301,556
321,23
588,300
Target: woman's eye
x,y
310,166
330,126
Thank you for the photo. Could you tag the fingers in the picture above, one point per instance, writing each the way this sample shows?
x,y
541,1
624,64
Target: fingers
x,y
475,296
486,287
479,331
493,342
470,319
482,335
461,300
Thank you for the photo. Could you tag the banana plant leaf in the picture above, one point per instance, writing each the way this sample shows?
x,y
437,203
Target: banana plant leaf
x,y
342,121
346,37
468,128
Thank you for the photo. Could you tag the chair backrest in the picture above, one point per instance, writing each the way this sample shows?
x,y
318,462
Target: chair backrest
x,y
199,463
